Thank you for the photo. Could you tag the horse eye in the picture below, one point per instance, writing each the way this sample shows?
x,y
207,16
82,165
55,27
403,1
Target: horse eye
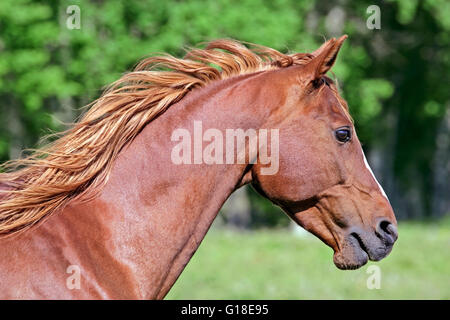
x,y
343,134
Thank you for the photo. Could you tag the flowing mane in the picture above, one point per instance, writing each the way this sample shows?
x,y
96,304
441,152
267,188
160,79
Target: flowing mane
x,y
77,165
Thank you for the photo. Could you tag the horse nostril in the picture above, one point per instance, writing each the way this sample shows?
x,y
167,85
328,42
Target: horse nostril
x,y
387,231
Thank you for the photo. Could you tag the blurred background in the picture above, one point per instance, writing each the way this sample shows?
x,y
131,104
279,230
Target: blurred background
x,y
56,56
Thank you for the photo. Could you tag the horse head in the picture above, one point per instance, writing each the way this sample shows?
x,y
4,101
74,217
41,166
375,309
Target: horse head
x,y
324,181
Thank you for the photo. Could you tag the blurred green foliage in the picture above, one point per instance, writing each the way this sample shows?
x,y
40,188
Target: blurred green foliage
x,y
279,265
395,79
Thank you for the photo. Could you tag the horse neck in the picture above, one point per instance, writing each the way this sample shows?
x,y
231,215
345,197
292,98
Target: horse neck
x,y
153,214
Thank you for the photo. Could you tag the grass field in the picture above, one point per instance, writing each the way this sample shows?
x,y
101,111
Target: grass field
x,y
281,265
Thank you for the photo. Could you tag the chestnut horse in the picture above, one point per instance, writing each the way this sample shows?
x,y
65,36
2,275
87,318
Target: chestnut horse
x,y
104,212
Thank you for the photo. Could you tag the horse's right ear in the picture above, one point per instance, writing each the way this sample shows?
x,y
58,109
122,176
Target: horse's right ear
x,y
324,57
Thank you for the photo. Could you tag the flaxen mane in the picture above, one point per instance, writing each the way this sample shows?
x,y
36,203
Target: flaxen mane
x,y
77,165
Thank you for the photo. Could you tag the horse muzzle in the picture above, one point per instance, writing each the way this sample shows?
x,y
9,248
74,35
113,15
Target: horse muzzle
x,y
360,245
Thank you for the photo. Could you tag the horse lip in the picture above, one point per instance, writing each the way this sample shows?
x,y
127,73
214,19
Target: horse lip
x,y
374,254
351,260
360,242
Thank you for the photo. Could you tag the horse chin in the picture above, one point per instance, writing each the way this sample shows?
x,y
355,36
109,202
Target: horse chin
x,y
351,256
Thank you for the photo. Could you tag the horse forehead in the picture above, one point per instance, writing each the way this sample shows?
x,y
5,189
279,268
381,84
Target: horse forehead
x,y
329,103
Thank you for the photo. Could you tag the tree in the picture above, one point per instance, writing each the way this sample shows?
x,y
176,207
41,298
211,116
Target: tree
x,y
394,78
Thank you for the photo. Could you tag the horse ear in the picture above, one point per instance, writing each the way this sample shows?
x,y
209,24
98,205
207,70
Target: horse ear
x,y
325,56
